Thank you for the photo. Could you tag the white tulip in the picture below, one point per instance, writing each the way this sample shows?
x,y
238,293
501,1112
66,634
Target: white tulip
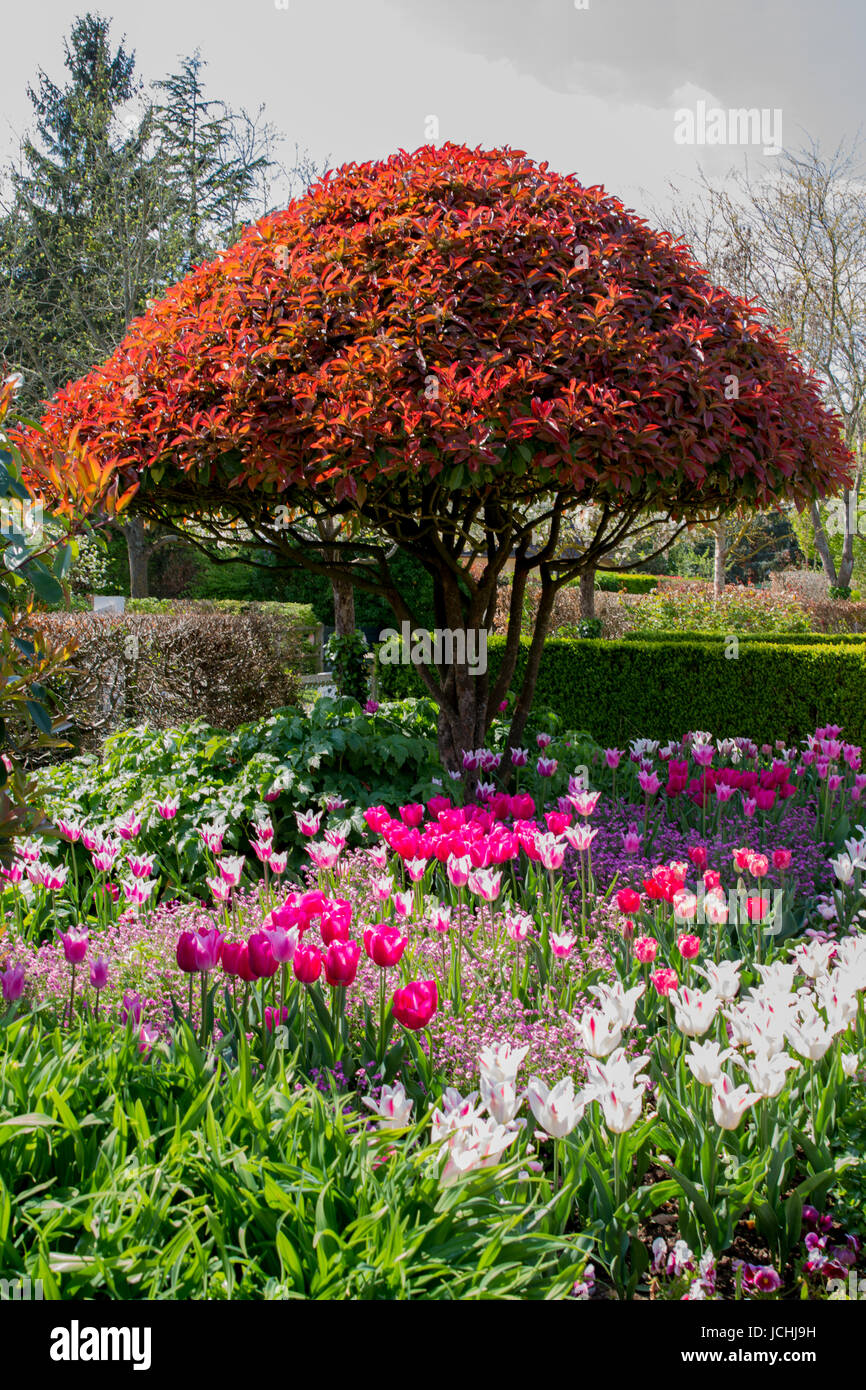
x,y
705,1061
621,1108
478,1146
851,1063
694,1011
767,1072
454,1112
810,1039
616,1074
731,1102
600,1033
393,1107
778,977
501,1061
558,1111
501,1098
814,957
619,1002
723,978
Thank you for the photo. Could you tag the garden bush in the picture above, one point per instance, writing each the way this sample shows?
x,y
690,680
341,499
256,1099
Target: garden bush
x,y
609,582
276,765
619,690
740,609
226,668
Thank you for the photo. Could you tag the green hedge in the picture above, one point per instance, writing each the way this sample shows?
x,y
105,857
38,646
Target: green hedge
x,y
612,582
782,638
656,689
298,614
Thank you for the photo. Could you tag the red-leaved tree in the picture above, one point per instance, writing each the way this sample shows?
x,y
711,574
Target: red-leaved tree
x,y
447,351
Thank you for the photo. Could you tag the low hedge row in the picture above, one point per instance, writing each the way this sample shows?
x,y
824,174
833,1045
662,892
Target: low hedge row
x,y
617,691
611,582
781,638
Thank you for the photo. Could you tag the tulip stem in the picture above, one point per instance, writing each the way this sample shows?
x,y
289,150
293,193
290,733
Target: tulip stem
x,y
381,1048
72,996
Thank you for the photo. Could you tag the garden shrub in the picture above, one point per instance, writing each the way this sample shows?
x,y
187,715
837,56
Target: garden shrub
x,y
739,609
285,762
169,669
295,624
610,582
658,689
798,639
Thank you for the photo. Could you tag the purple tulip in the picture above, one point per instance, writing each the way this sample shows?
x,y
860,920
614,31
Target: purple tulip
x,y
130,1009
12,981
74,945
99,973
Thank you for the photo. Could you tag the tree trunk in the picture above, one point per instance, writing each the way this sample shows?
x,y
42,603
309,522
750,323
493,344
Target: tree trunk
x,y
138,551
587,593
719,563
344,605
822,545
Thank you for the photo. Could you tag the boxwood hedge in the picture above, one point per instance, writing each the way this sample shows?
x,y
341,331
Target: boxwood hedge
x,y
772,688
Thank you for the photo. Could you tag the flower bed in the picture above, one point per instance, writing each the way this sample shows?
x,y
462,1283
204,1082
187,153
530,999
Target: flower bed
x,y
647,1008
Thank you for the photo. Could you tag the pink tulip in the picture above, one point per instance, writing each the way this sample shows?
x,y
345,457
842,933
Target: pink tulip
x,y
415,1005
664,981
308,822
168,808
262,960
99,973
646,949
341,963
459,870
307,964
384,945
688,946
485,884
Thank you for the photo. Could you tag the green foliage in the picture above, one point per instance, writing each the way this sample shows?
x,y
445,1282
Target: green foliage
x,y
740,609
175,1176
610,582
348,657
336,750
658,688
783,639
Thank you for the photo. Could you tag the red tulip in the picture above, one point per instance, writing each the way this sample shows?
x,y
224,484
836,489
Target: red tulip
x,y
186,952
307,964
628,900
341,963
261,956
384,945
415,1005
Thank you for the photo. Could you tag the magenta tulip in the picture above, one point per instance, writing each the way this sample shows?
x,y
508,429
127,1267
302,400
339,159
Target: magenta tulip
x,y
415,1005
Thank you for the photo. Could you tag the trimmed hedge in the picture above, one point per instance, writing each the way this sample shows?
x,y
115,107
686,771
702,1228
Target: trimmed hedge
x,y
782,638
611,582
617,691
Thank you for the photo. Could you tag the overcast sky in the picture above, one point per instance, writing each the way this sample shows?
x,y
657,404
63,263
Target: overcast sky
x,y
593,91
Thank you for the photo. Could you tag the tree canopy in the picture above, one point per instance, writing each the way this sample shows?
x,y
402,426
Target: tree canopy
x,y
449,349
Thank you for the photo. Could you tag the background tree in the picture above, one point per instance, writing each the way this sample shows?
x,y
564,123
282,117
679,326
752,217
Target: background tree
x,y
794,239
452,350
112,198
